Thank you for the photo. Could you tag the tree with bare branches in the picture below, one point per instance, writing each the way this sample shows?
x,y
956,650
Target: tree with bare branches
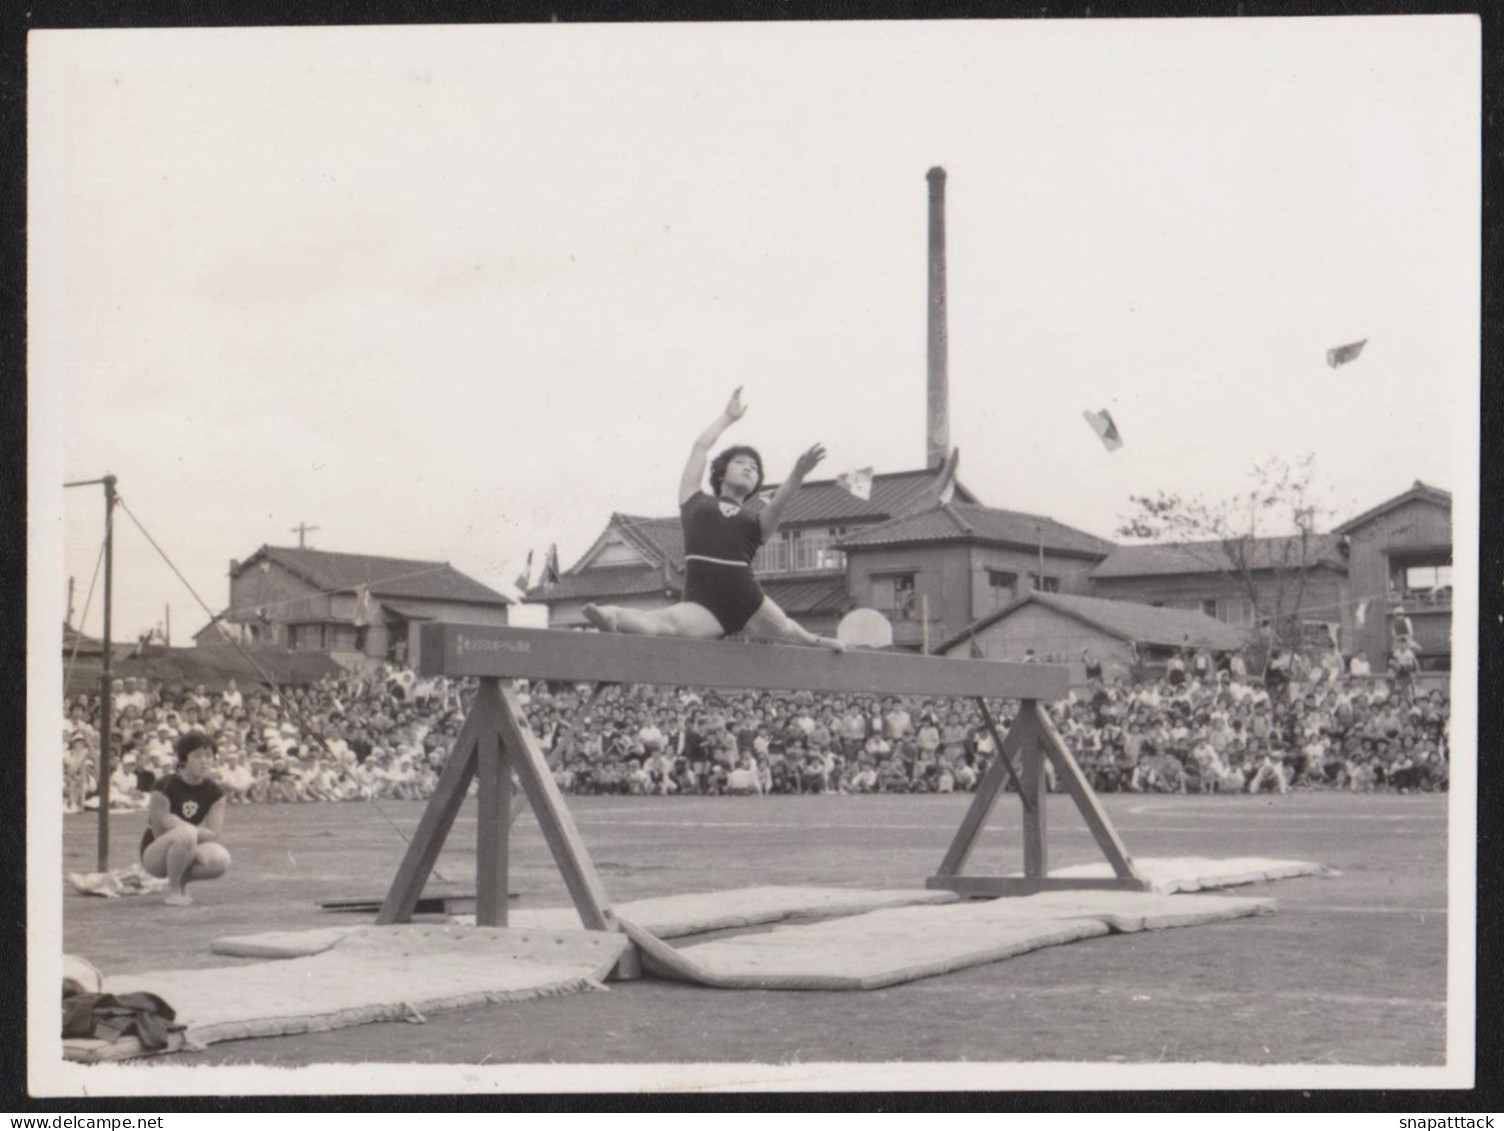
x,y
1264,540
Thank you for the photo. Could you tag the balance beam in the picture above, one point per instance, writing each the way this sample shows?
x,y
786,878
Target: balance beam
x,y
459,650
496,742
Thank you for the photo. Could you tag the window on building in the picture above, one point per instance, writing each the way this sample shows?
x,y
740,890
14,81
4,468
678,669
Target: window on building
x,y
894,595
1209,608
773,557
800,550
342,638
1047,584
1428,577
1235,611
811,549
830,557
306,637
1003,585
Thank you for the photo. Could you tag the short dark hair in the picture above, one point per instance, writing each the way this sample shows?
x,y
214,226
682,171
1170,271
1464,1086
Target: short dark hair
x,y
721,462
193,740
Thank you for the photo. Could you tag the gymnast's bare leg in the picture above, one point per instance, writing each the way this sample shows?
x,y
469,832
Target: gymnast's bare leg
x,y
771,623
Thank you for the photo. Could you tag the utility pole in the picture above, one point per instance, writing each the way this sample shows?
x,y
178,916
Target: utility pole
x,y
107,698
69,620
107,714
301,529
167,632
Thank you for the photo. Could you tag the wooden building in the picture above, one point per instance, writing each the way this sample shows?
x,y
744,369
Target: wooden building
x,y
1291,583
934,572
1127,637
356,607
1400,566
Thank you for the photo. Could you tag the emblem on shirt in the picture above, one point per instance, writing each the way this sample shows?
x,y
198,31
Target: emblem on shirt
x,y
190,808
730,510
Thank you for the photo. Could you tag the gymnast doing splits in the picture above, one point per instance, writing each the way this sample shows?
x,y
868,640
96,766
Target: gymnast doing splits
x,y
721,537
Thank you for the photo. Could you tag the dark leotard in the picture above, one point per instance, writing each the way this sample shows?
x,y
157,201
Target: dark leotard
x,y
191,803
718,552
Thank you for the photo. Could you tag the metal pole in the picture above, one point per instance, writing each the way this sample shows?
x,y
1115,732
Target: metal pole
x,y
1040,531
107,699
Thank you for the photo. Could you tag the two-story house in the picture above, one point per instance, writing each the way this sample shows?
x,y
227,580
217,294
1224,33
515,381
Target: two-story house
x,y
1399,567
936,571
357,607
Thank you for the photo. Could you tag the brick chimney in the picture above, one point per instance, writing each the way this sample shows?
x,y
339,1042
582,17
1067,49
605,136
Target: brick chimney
x,y
937,431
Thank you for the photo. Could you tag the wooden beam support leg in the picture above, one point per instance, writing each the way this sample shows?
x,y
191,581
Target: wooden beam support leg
x,y
553,818
492,823
519,801
987,792
423,850
1036,859
1086,800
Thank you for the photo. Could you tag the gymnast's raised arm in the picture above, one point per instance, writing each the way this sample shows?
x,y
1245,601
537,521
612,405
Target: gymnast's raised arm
x,y
694,470
773,512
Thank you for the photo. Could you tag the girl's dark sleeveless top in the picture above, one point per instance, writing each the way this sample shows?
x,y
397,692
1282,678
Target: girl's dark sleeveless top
x,y
711,533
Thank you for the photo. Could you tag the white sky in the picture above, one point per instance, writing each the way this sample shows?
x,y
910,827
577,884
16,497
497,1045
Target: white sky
x,y
454,293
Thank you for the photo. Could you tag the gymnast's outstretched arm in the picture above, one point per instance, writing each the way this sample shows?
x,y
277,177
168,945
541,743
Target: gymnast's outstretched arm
x,y
773,512
694,470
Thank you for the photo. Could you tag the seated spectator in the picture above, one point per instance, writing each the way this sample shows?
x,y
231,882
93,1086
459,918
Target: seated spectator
x,y
78,773
1268,768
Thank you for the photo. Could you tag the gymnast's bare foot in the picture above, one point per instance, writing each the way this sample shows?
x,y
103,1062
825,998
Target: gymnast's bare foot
x,y
597,616
830,642
177,899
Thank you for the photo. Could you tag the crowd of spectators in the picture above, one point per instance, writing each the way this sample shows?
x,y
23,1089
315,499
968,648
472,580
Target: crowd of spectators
x,y
1192,728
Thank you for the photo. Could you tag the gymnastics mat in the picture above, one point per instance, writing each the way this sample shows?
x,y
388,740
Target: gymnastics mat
x,y
1172,874
903,944
396,973
664,916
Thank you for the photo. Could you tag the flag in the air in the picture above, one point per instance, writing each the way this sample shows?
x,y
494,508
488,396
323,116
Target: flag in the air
x,y
550,574
1361,615
946,483
858,482
1105,427
524,579
1341,355
362,615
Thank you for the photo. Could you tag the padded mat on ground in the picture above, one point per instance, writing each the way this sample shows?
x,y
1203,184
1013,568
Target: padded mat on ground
x,y
1171,874
380,974
902,944
664,916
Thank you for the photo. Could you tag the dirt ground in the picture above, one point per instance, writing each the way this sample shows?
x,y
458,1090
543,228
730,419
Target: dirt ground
x,y
1351,970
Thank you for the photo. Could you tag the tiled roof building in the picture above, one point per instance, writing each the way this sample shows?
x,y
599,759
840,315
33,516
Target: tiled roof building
x,y
354,606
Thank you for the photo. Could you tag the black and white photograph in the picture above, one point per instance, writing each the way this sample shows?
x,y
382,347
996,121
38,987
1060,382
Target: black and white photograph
x,y
787,556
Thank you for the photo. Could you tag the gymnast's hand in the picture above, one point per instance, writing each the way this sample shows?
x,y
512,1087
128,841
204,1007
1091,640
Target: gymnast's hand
x,y
735,410
808,461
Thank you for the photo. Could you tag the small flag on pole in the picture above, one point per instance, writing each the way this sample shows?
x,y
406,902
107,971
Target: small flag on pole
x,y
1361,615
1105,427
550,574
858,482
524,579
362,616
1341,355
